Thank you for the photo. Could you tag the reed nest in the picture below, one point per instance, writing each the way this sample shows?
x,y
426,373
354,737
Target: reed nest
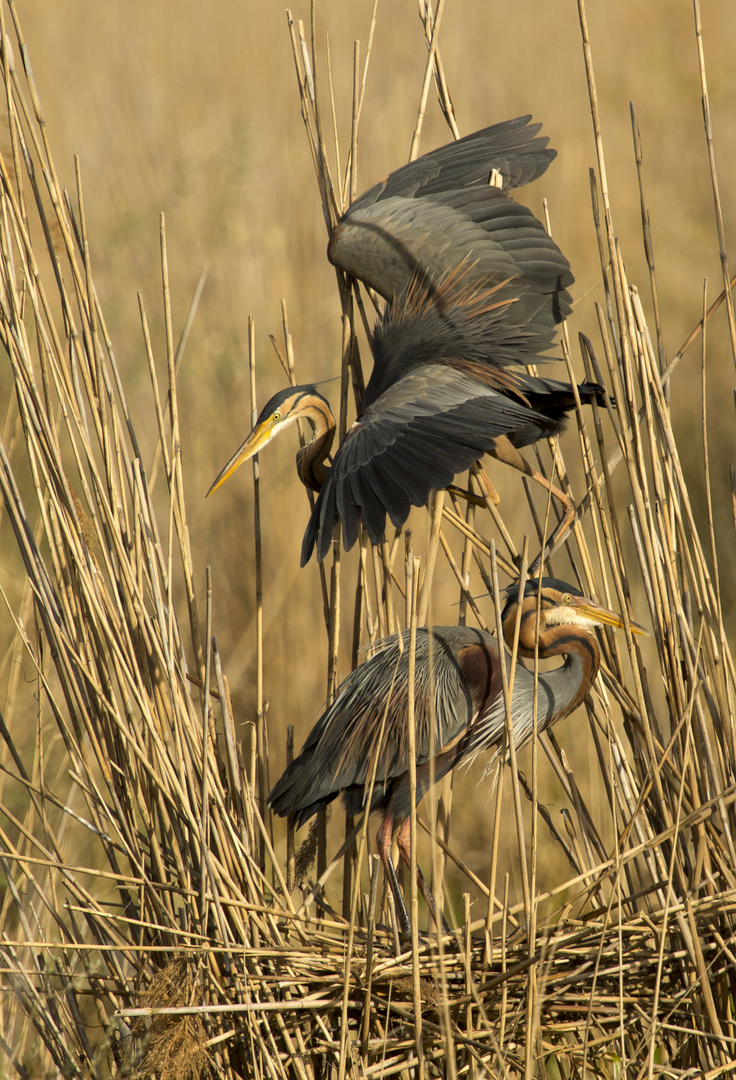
x,y
155,921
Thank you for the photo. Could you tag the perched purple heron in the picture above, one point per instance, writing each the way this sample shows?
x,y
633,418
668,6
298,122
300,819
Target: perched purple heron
x,y
459,711
475,289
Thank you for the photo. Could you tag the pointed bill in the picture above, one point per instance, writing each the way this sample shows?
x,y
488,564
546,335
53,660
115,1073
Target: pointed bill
x,y
259,437
594,611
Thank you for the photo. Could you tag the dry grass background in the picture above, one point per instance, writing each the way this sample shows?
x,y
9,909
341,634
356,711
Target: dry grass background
x,y
196,114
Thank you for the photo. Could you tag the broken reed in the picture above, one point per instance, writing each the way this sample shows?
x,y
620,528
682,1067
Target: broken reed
x,y
147,920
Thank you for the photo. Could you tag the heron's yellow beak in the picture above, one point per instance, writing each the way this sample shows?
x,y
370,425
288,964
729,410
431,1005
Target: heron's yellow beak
x,y
589,609
259,437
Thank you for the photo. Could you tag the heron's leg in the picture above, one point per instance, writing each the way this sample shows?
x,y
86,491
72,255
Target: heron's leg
x,y
403,841
383,843
469,496
488,491
506,452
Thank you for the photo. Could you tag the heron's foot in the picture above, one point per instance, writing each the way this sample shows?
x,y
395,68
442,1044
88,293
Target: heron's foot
x,y
404,920
487,493
469,496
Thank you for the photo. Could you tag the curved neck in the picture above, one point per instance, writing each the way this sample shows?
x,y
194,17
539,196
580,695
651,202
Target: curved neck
x,y
569,684
310,459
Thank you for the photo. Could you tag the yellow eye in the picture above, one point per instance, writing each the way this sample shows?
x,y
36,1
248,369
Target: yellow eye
x,y
566,598
276,416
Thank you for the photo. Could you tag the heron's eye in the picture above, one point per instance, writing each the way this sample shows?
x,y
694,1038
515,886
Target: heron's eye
x,y
566,598
276,416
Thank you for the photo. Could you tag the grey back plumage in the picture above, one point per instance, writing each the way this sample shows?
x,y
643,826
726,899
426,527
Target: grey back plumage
x,y
365,726
342,746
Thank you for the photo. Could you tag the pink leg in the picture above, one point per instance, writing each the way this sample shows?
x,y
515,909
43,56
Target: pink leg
x,y
403,840
383,843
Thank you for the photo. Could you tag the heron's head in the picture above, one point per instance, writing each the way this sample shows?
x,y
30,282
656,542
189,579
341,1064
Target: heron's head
x,y
285,407
560,604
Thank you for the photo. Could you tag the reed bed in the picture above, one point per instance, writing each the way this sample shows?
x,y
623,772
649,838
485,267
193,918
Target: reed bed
x,y
155,921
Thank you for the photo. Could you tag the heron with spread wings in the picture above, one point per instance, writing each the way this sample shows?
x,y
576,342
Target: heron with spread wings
x,y
475,289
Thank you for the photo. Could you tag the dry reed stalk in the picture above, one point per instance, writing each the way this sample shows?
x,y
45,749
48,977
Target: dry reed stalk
x,y
412,589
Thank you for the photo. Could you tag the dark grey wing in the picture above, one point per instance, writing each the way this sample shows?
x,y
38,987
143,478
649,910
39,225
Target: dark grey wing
x,y
476,289
387,243
512,148
366,723
431,425
333,756
449,204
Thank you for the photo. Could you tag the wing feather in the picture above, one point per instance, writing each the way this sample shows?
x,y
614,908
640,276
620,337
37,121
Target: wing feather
x,y
342,747
432,425
512,147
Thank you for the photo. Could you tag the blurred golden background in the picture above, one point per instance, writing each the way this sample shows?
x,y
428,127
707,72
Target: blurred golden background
x,y
194,111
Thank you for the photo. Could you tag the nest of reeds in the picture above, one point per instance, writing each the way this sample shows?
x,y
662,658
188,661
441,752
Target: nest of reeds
x,y
154,921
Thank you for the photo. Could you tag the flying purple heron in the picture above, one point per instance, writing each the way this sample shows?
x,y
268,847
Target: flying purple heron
x,y
362,736
475,289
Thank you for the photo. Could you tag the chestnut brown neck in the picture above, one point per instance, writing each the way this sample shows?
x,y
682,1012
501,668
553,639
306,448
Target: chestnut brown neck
x,y
577,644
310,459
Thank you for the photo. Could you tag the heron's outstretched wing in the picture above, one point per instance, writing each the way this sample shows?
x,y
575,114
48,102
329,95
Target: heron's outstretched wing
x,y
476,288
513,148
452,204
498,324
431,425
386,244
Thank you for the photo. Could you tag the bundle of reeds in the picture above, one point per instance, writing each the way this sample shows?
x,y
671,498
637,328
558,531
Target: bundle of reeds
x,y
153,921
